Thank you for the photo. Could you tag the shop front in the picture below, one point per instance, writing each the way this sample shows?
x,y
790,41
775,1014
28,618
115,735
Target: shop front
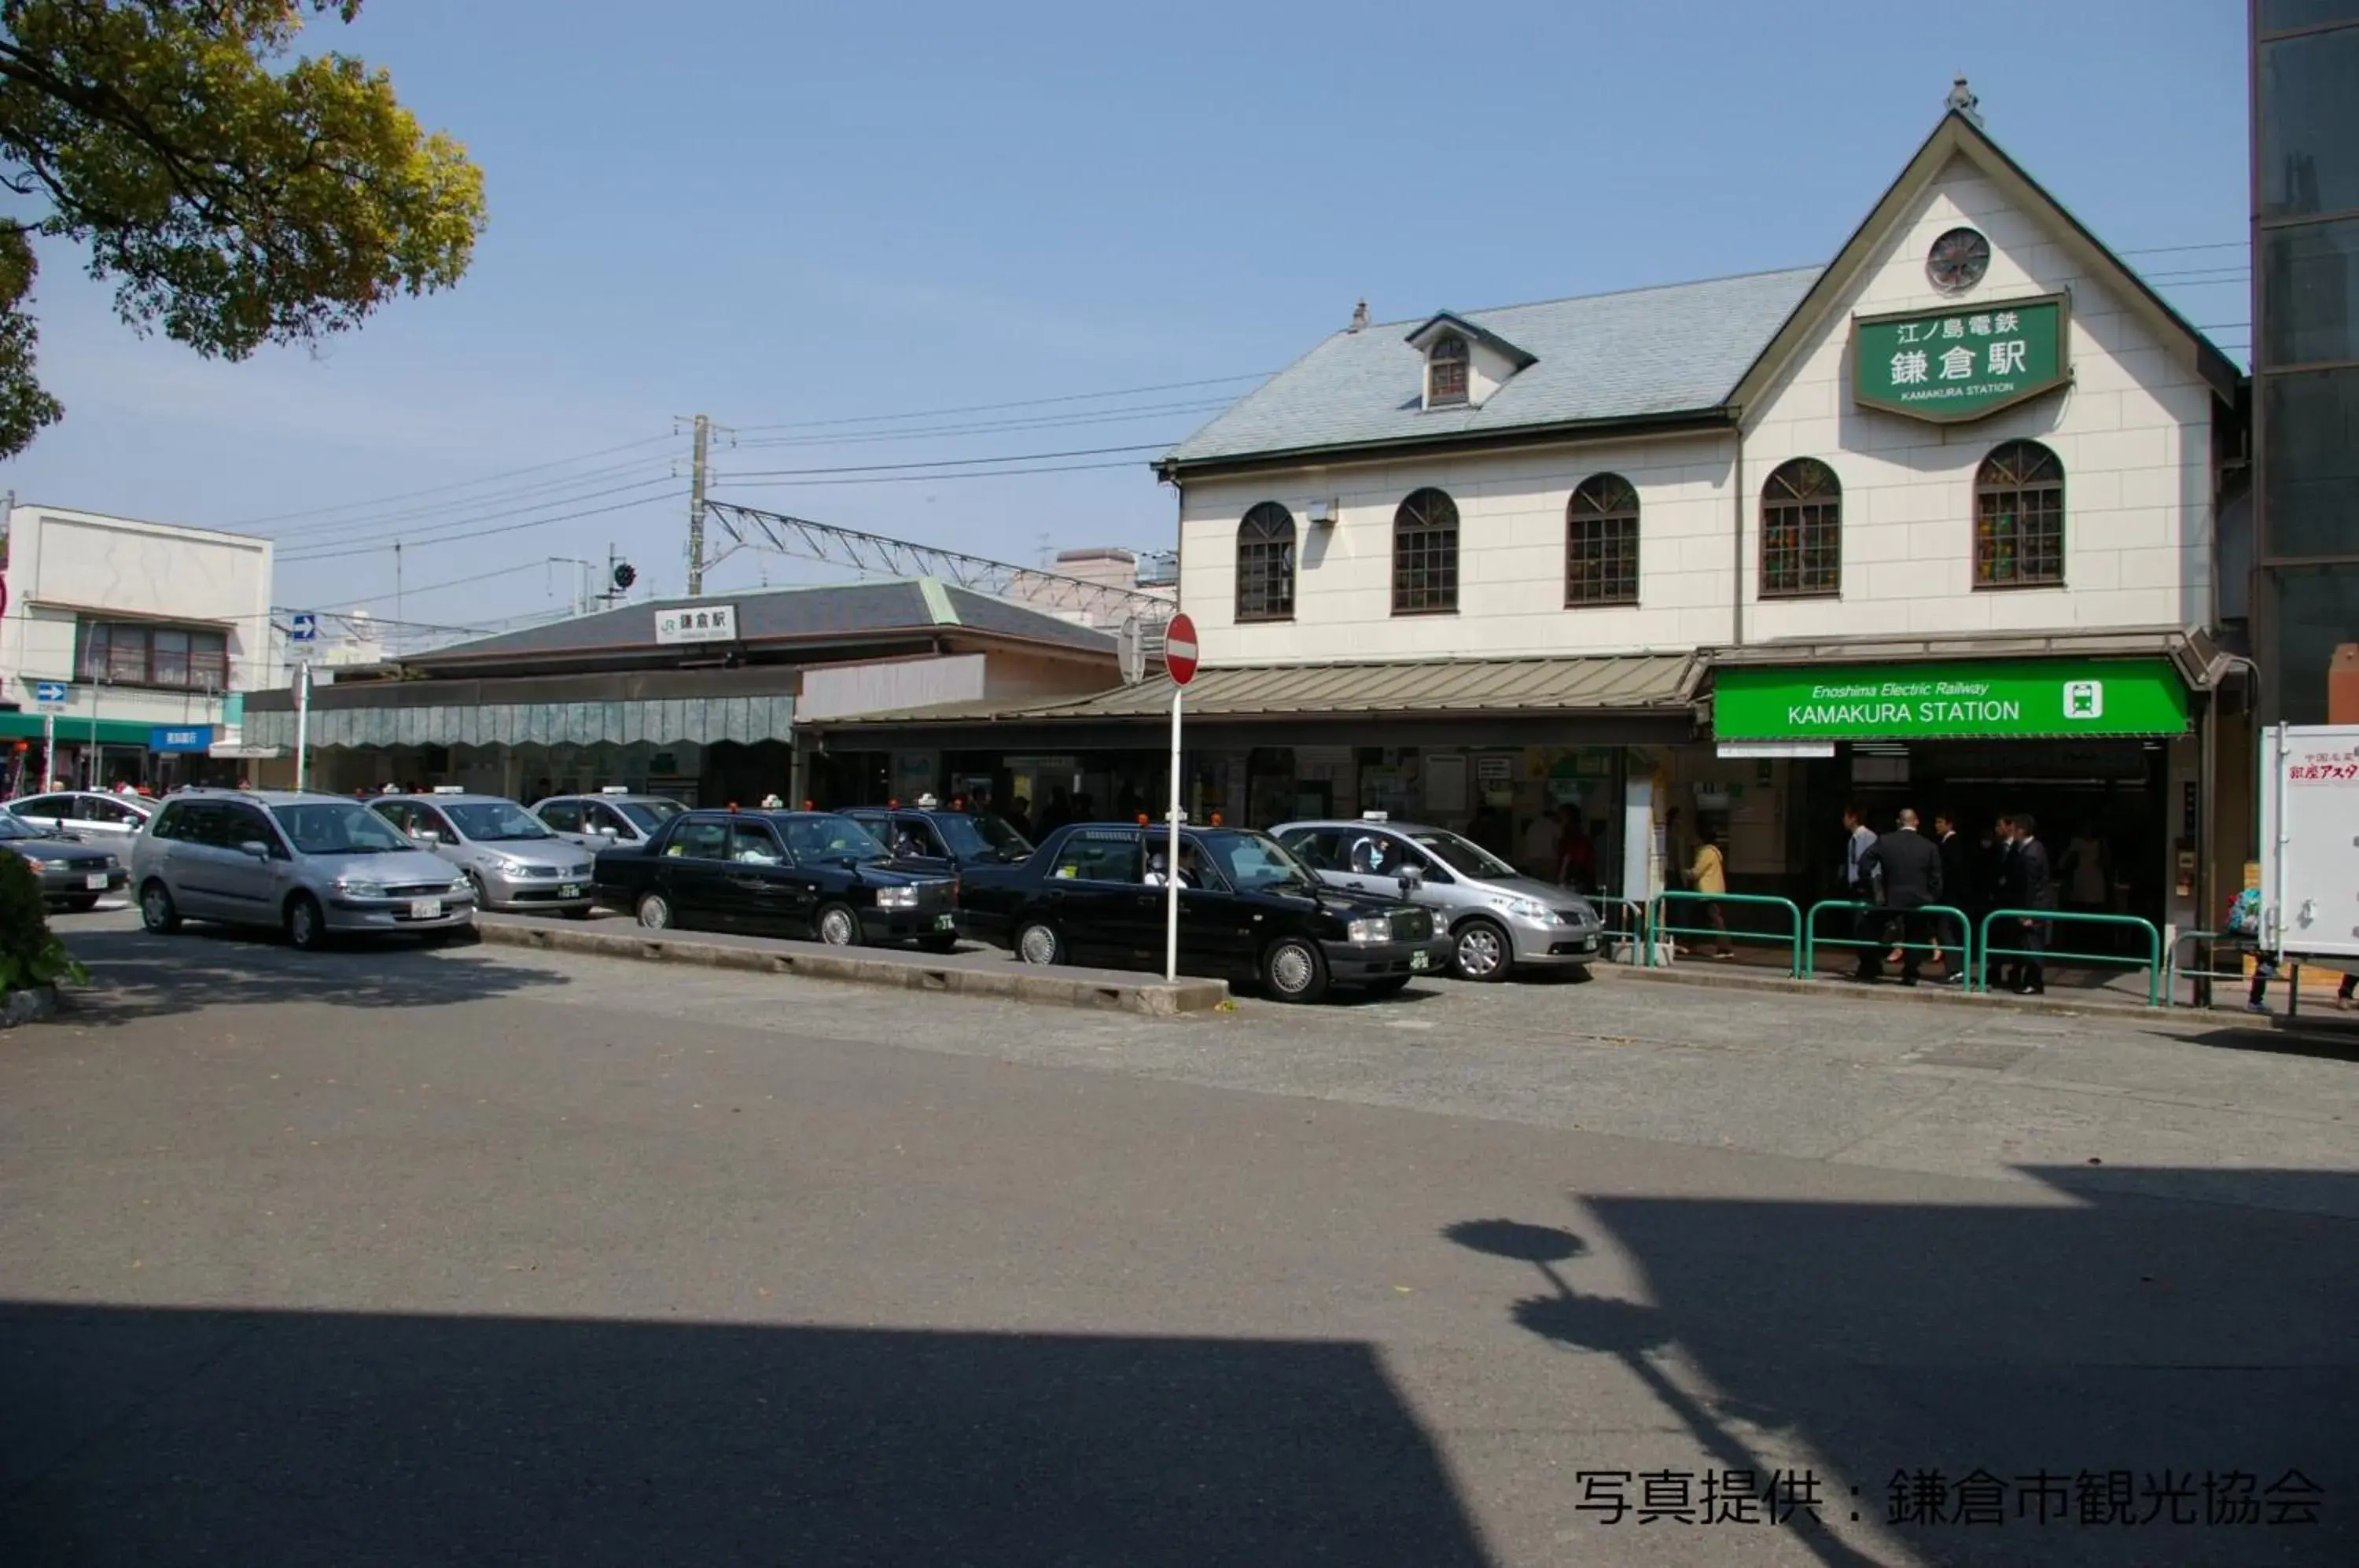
x,y
2099,752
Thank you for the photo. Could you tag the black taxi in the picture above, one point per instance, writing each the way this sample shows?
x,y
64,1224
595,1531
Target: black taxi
x,y
956,837
1094,894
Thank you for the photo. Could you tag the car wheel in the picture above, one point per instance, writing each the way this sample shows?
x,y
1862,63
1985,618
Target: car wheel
x,y
156,910
654,911
1037,943
1382,988
81,906
1294,969
1483,952
483,895
838,926
307,928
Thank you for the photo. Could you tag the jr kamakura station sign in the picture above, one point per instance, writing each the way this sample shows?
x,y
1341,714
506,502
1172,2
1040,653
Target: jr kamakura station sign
x,y
2046,698
1952,365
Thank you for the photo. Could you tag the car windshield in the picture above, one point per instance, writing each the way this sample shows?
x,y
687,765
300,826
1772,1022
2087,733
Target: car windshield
x,y
983,838
648,815
1255,863
16,827
495,822
339,828
832,837
1462,855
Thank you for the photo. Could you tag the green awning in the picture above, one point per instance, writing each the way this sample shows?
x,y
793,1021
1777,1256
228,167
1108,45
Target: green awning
x,y
74,730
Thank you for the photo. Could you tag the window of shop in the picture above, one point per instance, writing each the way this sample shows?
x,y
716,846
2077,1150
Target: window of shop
x,y
1265,564
132,655
1801,530
1425,554
1445,372
2019,518
1601,543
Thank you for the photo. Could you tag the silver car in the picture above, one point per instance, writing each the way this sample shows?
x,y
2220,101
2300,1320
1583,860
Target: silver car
x,y
94,816
312,866
513,859
609,819
1498,918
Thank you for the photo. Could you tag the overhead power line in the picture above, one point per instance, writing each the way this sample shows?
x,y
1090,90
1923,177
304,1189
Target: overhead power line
x,y
445,489
929,478
555,492
472,533
1018,403
946,463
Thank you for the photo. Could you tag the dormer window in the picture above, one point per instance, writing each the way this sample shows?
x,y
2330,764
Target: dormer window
x,y
1445,371
1465,362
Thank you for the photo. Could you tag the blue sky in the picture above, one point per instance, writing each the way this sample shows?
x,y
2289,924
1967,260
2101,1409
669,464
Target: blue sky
x,y
788,214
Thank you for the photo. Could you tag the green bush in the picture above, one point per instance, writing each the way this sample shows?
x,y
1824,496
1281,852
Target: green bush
x,y
30,953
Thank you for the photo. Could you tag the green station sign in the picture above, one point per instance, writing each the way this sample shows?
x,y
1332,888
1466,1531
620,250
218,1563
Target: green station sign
x,y
1950,702
1950,366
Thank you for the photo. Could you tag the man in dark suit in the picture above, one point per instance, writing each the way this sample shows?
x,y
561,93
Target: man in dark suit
x,y
1909,866
1959,891
2028,885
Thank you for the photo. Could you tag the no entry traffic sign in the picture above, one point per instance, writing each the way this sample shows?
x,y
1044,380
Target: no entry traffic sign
x,y
1180,649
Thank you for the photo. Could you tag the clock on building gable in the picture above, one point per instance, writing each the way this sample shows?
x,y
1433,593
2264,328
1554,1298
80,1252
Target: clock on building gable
x,y
1958,260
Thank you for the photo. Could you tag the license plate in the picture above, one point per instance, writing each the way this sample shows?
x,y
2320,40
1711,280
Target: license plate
x,y
96,880
426,910
946,923
1419,960
570,890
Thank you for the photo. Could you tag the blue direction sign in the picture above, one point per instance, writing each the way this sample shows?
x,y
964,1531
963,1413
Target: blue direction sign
x,y
303,627
50,694
181,738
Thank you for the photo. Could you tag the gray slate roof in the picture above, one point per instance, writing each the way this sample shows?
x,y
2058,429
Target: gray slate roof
x,y
1670,350
831,610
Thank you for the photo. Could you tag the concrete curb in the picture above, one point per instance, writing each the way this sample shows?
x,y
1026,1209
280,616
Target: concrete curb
x,y
907,971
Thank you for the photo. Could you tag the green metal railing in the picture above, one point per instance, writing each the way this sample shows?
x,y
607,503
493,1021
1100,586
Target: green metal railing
x,y
1660,927
1985,952
1635,933
1812,941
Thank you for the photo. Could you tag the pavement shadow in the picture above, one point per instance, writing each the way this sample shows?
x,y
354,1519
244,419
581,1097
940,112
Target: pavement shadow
x,y
135,975
2117,1381
2299,1036
143,1436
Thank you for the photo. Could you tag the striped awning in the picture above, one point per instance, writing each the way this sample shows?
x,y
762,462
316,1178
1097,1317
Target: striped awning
x,y
699,721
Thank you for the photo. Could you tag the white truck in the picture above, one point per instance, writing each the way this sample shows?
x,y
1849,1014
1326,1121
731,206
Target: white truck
x,y
2309,841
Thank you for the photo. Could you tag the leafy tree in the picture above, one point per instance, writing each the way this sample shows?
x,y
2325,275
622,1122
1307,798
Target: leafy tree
x,y
236,194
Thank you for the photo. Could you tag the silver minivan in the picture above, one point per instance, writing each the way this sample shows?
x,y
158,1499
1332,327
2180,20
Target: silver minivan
x,y
312,866
1498,918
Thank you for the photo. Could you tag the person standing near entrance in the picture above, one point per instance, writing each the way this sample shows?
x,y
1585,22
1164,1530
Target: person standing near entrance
x,y
1859,887
2028,885
1908,867
1709,875
1544,846
1959,889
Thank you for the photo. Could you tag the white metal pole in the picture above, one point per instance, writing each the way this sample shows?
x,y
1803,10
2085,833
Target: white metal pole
x,y
1172,866
49,750
302,721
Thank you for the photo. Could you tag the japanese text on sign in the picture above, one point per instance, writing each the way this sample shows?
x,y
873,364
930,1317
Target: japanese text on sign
x,y
1981,1497
1961,365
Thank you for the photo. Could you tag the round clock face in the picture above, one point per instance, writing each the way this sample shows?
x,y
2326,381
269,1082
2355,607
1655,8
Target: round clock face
x,y
1957,261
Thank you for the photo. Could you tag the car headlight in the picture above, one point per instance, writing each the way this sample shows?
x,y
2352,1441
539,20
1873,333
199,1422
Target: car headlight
x,y
1374,928
355,889
1532,910
896,898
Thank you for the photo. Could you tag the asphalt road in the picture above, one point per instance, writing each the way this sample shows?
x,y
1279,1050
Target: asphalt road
x,y
399,1257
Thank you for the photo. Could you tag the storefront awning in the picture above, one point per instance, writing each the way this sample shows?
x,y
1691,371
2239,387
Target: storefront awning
x,y
75,730
700,721
1279,692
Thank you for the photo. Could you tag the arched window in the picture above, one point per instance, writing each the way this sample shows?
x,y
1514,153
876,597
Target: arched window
x,y
2019,517
1265,564
1425,554
1801,530
1601,543
1445,371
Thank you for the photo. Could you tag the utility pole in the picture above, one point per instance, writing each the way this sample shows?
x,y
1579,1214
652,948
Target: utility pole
x,y
696,510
